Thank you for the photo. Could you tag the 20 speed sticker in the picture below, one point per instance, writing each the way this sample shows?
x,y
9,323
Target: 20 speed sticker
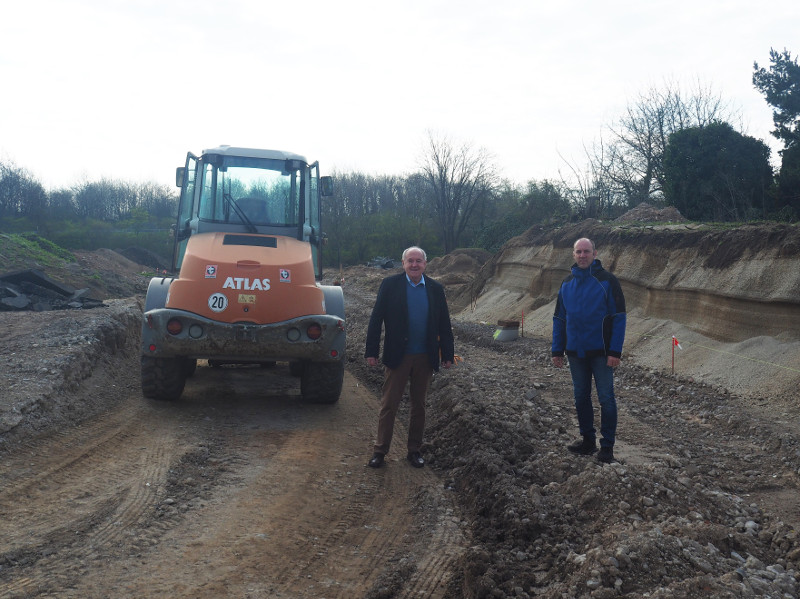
x,y
217,302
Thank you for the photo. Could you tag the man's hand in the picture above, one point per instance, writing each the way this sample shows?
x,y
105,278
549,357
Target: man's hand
x,y
558,361
372,361
446,364
612,362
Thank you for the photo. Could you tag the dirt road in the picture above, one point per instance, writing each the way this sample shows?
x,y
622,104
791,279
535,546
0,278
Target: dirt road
x,y
232,491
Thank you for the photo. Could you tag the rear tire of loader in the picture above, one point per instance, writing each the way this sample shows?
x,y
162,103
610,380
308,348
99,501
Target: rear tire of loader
x,y
163,378
321,382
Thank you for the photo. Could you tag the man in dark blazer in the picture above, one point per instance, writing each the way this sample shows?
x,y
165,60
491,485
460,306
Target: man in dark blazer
x,y
412,310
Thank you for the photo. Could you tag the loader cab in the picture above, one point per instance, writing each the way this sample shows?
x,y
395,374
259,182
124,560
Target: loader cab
x,y
258,192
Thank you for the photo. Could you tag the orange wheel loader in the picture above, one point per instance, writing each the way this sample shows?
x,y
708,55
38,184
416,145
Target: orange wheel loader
x,y
247,257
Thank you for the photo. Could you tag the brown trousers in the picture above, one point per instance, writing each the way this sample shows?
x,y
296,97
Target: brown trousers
x,y
415,370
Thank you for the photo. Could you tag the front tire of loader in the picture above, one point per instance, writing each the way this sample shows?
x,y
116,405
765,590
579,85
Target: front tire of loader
x,y
321,382
163,378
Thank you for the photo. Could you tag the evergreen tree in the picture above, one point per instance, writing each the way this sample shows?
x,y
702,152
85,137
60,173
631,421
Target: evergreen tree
x,y
716,173
781,88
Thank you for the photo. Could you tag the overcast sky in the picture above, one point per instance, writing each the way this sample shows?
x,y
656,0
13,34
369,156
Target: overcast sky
x,y
123,89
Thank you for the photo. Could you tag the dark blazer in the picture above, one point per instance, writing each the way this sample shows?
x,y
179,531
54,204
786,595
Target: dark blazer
x,y
391,312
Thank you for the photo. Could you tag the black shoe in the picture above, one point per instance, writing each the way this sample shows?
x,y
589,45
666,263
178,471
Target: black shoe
x,y
586,446
606,455
415,459
376,461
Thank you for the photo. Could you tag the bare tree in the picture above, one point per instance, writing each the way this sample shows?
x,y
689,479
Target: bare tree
x,y
459,180
21,194
411,204
629,164
591,192
157,200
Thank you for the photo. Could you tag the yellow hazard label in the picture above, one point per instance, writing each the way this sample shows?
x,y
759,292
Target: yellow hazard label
x,y
246,298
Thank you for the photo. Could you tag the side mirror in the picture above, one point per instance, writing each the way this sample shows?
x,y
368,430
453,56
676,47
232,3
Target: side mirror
x,y
326,186
179,172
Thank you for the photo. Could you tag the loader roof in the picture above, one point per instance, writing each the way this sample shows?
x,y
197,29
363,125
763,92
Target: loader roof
x,y
255,153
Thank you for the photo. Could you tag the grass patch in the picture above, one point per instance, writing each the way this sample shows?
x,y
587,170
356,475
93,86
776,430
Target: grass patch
x,y
28,250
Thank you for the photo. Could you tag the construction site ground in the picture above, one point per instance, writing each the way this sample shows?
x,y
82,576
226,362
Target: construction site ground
x,y
240,489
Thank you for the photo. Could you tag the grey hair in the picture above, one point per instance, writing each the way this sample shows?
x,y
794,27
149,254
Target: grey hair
x,y
419,249
584,239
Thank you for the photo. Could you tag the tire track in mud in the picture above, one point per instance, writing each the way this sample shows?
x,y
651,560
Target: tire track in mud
x,y
309,519
438,563
238,489
326,476
371,530
85,489
396,524
267,440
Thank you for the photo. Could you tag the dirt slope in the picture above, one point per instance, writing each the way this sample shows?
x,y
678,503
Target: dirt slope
x,y
731,296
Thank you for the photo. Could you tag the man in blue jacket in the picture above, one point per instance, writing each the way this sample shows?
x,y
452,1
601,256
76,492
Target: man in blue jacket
x,y
589,326
413,311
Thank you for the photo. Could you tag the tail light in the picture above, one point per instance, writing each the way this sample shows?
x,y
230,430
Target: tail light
x,y
174,326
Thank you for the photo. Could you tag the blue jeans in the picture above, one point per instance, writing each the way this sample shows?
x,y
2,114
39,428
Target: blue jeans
x,y
582,370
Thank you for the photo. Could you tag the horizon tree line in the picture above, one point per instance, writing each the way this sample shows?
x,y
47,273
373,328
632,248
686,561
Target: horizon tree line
x,y
670,147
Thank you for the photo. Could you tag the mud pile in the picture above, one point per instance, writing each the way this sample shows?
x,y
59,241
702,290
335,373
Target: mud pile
x,y
458,267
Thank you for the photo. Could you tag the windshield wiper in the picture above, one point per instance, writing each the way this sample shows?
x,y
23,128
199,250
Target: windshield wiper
x,y
251,228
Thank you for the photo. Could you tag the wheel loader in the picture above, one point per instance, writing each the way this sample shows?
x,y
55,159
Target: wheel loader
x,y
245,285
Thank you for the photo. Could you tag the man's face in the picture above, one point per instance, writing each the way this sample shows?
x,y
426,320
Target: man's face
x,y
414,264
583,253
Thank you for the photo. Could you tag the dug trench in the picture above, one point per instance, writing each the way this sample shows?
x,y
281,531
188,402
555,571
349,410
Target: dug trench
x,y
241,490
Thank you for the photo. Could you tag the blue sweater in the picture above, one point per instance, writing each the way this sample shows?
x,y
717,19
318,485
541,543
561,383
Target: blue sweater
x,y
417,298
589,319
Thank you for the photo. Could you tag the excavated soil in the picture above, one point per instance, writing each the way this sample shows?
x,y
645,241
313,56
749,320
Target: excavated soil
x,y
224,494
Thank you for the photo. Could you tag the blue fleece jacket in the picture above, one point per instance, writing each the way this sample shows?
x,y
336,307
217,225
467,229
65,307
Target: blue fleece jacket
x,y
590,318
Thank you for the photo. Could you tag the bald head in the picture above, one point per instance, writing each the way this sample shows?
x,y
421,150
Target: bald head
x,y
584,252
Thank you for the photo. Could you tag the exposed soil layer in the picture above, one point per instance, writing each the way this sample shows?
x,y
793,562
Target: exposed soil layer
x,y
731,296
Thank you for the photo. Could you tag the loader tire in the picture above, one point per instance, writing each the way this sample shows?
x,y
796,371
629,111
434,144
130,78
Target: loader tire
x,y
321,382
163,378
